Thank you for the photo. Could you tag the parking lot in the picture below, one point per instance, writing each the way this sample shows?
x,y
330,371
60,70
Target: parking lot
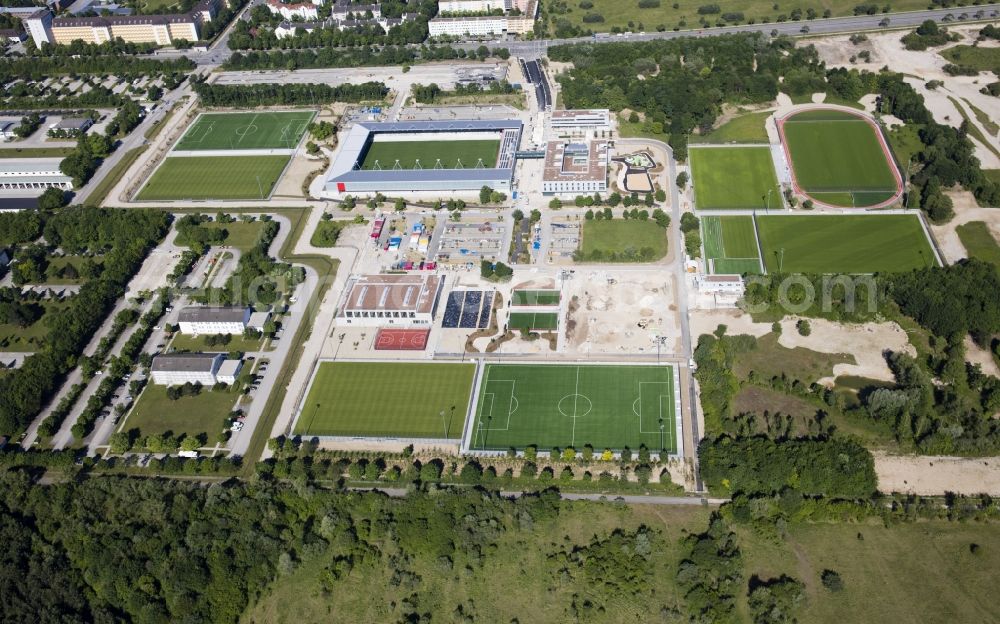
x,y
564,239
462,242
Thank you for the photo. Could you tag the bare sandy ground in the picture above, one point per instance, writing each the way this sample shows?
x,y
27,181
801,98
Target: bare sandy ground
x,y
736,322
866,342
978,355
937,475
966,210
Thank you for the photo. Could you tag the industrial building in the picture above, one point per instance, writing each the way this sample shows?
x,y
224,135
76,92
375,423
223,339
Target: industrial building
x,y
396,299
204,368
214,320
346,175
578,124
33,174
577,168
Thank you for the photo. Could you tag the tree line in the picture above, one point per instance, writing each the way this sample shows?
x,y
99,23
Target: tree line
x,y
365,56
271,94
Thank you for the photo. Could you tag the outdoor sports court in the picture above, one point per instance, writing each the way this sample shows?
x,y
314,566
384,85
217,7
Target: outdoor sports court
x,y
241,131
534,297
387,400
730,245
401,339
839,158
533,321
728,178
556,405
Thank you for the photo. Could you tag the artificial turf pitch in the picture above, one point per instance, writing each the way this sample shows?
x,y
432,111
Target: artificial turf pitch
x,y
534,297
844,243
232,131
214,177
452,154
539,321
730,244
550,406
734,177
387,399
838,159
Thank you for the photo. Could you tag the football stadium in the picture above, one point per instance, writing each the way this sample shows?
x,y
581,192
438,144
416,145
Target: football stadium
x,y
426,156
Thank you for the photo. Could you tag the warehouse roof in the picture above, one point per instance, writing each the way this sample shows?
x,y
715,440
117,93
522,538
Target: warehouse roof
x,y
415,293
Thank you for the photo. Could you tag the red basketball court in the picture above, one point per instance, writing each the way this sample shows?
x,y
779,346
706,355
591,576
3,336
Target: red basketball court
x,y
401,339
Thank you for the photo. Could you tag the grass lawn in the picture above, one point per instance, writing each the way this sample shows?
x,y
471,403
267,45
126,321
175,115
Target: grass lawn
x,y
327,233
974,130
934,577
629,129
837,158
979,241
734,177
619,235
450,153
992,174
771,359
564,405
31,338
627,17
36,152
214,177
187,342
387,399
843,243
58,263
730,244
206,413
747,128
533,321
534,297
983,59
991,126
222,131
238,234
906,143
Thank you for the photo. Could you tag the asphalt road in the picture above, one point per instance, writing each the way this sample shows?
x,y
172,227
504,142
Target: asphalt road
x,y
631,499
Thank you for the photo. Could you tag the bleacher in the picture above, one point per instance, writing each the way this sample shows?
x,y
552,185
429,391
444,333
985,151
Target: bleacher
x,y
484,312
470,309
452,310
508,148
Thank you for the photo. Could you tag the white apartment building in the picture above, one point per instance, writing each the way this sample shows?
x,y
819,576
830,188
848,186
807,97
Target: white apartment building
x,y
303,10
467,26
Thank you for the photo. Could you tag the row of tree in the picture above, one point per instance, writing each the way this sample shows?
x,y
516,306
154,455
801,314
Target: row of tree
x,y
275,94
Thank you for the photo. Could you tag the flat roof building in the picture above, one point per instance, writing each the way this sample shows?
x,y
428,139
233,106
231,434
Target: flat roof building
x,y
577,168
33,174
378,300
76,124
181,368
214,320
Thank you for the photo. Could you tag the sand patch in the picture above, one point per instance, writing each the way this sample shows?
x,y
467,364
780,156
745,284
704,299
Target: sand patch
x,y
736,322
978,355
930,475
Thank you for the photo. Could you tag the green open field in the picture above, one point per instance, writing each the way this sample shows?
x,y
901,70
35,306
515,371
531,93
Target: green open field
x,y
224,131
618,235
238,234
730,244
734,177
534,297
981,58
387,399
533,321
843,243
32,338
452,154
626,16
206,413
214,177
746,128
979,241
837,159
561,405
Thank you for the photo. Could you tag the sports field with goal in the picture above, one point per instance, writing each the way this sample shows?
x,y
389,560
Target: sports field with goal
x,y
538,321
870,243
734,178
232,131
730,245
559,405
387,399
481,153
214,177
838,158
534,297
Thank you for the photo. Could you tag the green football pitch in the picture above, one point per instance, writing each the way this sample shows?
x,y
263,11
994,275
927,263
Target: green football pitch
x,y
432,154
843,243
730,245
214,177
534,297
232,131
533,321
387,399
838,159
734,177
560,405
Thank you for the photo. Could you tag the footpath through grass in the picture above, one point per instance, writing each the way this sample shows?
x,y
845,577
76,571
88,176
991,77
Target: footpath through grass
x,y
387,399
214,177
734,177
